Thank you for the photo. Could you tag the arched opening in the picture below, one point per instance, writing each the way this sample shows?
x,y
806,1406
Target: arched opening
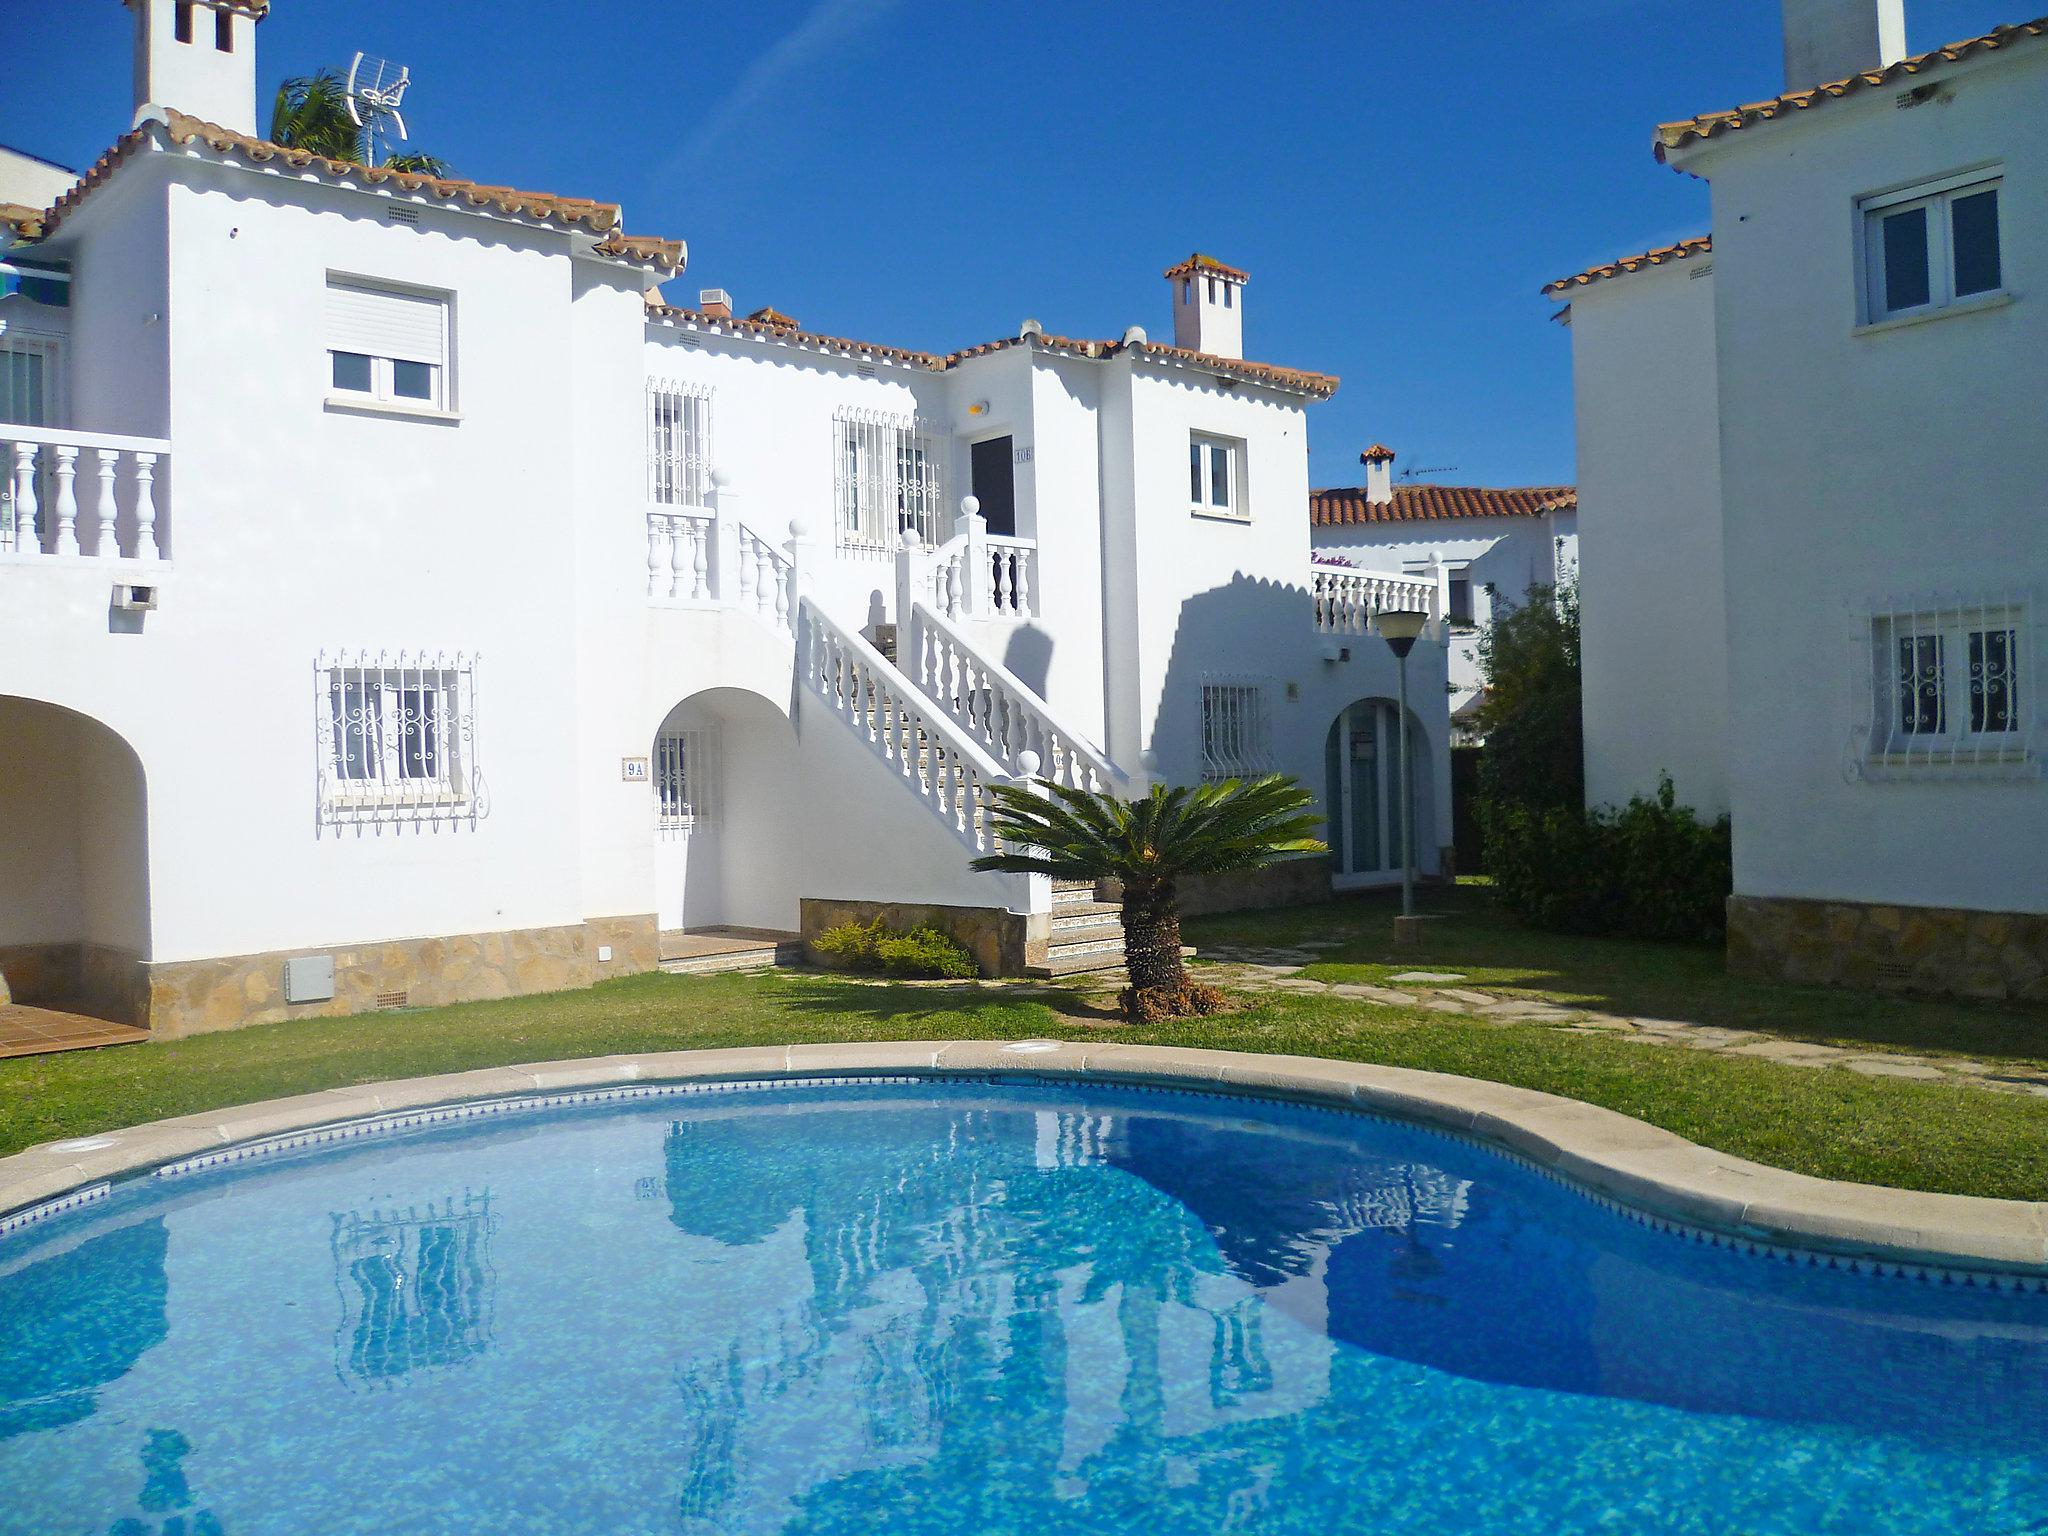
x,y
74,865
725,856
1363,789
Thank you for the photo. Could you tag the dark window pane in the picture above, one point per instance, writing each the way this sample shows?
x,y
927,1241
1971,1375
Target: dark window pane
x,y
1994,680
412,381
224,31
1194,472
1461,599
1974,220
1219,477
351,372
1922,709
1905,260
182,21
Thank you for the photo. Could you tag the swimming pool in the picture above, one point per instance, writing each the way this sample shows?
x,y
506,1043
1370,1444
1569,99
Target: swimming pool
x,y
956,1306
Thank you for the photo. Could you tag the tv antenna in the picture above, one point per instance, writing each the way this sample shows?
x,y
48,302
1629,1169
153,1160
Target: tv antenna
x,y
1428,469
375,89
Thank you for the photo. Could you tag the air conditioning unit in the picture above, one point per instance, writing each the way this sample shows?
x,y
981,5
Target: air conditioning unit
x,y
131,599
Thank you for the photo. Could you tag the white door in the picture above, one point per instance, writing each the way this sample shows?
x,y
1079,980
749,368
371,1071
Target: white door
x,y
684,835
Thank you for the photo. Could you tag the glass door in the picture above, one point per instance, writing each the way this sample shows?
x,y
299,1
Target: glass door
x,y
1362,760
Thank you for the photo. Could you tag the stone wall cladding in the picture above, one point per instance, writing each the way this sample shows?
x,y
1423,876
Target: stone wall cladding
x,y
1002,942
1290,883
190,997
2002,955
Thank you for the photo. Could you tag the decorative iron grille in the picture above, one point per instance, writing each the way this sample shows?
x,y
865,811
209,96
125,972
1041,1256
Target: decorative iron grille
x,y
678,443
889,475
685,773
1946,687
395,735
1236,734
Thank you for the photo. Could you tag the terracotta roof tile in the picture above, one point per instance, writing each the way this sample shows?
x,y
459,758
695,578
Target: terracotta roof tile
x,y
732,326
1377,453
1710,125
1346,506
21,220
774,318
1684,250
1208,264
574,212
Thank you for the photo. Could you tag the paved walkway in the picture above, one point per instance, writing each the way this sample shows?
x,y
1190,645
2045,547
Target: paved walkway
x,y
26,1031
1253,969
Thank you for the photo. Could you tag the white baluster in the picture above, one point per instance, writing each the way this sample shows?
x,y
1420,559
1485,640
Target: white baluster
x,y
657,558
1002,580
700,565
678,554
145,507
67,499
953,585
764,579
28,535
107,545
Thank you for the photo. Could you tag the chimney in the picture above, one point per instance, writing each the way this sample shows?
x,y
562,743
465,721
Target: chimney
x,y
197,56
1379,474
1828,40
1208,306
715,302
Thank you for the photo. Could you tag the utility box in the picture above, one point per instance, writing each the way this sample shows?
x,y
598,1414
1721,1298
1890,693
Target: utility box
x,y
309,978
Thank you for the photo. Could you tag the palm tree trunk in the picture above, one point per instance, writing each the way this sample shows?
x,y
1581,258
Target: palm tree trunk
x,y
1151,919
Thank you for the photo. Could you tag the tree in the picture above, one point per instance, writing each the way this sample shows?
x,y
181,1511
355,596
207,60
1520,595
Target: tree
x,y
1529,714
1149,845
311,113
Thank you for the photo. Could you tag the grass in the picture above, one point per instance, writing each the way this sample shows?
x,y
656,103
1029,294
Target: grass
x,y
1635,978
1836,1124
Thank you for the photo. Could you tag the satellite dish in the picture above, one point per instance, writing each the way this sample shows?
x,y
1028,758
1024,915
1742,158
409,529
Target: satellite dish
x,y
375,89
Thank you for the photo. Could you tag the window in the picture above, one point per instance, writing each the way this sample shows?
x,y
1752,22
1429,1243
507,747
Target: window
x,y
678,443
224,31
683,776
1187,290
387,346
1948,687
397,737
27,370
1236,738
181,21
1228,289
1931,246
889,478
1216,476
1461,598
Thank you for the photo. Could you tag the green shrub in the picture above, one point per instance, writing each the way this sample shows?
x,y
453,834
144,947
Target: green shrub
x,y
875,946
1652,869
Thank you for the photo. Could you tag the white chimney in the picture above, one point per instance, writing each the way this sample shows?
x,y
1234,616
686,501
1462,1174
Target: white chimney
x,y
198,57
1828,40
1379,474
1208,306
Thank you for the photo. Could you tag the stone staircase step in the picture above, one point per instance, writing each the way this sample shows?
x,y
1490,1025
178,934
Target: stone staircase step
x,y
1090,936
1083,914
788,952
1056,965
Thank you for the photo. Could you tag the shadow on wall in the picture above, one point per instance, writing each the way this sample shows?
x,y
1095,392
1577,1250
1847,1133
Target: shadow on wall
x,y
1028,655
1224,637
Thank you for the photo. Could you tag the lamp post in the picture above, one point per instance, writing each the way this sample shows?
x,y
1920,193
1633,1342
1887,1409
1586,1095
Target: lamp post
x,y
1400,628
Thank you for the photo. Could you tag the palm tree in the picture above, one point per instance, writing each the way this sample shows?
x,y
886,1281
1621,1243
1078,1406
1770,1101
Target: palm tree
x,y
311,112
1148,845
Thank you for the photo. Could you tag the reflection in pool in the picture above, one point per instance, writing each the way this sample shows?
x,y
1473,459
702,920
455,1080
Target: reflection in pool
x,y
957,1307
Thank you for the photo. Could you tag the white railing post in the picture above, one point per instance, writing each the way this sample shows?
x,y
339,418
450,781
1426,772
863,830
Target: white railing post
x,y
974,556
725,538
145,507
66,498
28,533
909,555
1439,577
106,543
803,558
657,555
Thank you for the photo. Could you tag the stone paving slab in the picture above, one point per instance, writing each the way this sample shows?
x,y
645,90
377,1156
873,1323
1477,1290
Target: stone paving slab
x,y
1602,1151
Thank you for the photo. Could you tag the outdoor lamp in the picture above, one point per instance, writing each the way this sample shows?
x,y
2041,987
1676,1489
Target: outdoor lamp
x,y
1400,628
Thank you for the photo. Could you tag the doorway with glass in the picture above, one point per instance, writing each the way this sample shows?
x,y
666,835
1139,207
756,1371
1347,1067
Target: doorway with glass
x,y
1363,788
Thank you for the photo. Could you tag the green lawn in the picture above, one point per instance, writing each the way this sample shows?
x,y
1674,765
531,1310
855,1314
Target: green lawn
x,y
1632,977
1838,1124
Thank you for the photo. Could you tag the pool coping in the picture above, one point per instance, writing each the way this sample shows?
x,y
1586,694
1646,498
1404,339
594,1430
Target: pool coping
x,y
1636,1167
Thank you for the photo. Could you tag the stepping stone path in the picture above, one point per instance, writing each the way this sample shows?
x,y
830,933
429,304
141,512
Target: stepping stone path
x,y
1251,968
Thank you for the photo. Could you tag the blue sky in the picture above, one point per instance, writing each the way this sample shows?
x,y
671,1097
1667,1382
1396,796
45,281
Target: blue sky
x,y
1400,177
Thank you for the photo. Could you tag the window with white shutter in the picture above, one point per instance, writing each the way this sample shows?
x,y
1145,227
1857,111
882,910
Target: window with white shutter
x,y
387,345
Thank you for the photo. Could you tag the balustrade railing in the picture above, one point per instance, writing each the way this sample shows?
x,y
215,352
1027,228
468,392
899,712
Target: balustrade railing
x,y
1346,599
679,554
1004,715
973,575
85,495
928,750
707,555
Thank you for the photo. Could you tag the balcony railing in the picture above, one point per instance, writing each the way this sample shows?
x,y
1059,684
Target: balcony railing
x,y
79,495
1346,599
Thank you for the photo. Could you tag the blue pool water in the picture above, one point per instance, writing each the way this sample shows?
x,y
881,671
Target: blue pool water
x,y
957,1307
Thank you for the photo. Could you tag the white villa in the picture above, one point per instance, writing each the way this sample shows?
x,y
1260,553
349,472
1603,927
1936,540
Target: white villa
x,y
1811,462
1486,546
401,602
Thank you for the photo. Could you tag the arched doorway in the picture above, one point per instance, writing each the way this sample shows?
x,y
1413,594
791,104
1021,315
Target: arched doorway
x,y
1362,793
723,771
74,864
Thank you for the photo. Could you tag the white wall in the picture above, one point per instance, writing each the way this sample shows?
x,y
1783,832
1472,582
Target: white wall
x,y
1856,465
1651,596
31,182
